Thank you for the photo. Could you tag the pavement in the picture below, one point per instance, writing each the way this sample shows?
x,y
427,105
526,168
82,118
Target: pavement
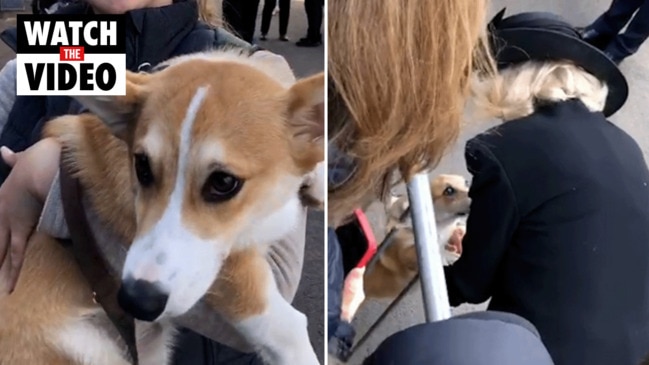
x,y
304,61
632,118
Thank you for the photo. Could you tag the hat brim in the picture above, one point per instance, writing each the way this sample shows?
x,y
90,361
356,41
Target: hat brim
x,y
518,45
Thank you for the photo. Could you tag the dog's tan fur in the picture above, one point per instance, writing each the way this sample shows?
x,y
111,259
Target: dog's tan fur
x,y
255,123
398,264
239,291
52,283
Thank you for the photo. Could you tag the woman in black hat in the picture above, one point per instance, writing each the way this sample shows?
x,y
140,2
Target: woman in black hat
x,y
559,225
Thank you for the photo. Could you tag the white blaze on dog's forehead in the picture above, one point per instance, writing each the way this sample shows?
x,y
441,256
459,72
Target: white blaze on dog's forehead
x,y
185,141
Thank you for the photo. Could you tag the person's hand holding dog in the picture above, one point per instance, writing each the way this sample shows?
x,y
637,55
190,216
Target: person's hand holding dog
x,y
455,242
21,201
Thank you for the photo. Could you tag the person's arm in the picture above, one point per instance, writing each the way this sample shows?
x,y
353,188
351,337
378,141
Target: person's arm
x,y
223,38
491,224
21,200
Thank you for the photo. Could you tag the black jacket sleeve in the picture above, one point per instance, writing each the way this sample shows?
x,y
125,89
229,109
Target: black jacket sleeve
x,y
491,225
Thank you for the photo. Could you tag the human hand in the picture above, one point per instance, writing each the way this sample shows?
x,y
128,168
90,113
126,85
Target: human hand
x,y
353,294
21,201
455,242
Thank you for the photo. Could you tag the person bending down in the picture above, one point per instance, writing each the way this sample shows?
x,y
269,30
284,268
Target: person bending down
x,y
558,229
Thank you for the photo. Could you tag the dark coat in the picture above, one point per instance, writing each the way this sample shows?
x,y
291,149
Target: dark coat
x,y
478,338
559,233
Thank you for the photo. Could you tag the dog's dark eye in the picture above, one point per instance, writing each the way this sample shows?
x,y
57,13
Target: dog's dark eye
x,y
449,191
143,169
221,186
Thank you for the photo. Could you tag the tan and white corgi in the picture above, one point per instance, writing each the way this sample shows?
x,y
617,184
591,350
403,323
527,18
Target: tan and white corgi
x,y
213,154
397,266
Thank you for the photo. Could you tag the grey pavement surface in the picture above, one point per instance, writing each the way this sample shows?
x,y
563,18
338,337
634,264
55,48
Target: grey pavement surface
x,y
305,62
632,118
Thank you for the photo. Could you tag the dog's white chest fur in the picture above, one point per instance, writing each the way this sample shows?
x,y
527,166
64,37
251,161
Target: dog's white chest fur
x,y
91,341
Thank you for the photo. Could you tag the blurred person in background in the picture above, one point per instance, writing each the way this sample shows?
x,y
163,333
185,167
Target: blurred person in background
x,y
314,13
240,17
604,32
267,16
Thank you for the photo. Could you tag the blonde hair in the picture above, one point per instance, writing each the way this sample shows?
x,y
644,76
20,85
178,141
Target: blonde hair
x,y
208,13
515,92
399,73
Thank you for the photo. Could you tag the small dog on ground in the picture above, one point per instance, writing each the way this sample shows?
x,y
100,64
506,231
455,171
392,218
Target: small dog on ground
x,y
397,266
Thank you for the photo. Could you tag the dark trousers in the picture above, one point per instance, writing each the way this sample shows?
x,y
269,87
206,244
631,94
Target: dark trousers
x,y
241,16
335,282
314,12
616,17
341,333
267,15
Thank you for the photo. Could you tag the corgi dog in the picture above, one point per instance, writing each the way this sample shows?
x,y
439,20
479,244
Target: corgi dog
x,y
200,166
398,264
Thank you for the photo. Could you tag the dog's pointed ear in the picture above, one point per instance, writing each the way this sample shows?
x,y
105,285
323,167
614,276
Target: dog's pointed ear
x,y
306,118
277,64
118,111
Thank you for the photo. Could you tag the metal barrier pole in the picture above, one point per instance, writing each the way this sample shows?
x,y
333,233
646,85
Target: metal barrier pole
x,y
431,269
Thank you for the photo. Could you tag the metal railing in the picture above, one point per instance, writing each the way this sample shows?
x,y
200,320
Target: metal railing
x,y
431,269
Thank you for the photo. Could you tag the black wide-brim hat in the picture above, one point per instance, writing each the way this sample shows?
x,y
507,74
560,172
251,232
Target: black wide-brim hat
x,y
542,36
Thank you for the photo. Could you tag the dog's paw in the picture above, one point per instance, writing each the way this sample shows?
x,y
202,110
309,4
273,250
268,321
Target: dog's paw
x,y
72,131
63,127
449,258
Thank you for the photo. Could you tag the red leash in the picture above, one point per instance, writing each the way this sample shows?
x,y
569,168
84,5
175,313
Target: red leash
x,y
369,235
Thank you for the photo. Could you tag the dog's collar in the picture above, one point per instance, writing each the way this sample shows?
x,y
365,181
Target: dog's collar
x,y
148,68
103,280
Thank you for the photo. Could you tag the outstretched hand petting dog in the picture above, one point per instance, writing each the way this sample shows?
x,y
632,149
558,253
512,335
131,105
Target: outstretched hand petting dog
x,y
455,242
21,200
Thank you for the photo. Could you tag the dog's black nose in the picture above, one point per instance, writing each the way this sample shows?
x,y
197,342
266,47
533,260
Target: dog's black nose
x,y
142,299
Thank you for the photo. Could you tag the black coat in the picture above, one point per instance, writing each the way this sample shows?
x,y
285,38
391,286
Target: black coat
x,y
559,233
